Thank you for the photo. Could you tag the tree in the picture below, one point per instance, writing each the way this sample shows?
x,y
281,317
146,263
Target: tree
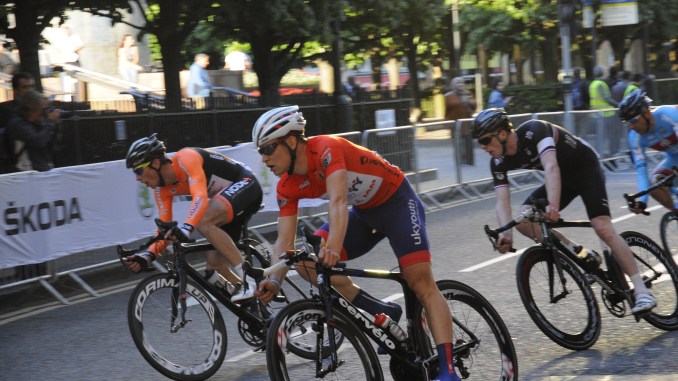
x,y
171,21
278,32
31,17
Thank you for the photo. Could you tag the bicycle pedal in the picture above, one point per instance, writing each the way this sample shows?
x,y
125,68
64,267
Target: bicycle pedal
x,y
280,299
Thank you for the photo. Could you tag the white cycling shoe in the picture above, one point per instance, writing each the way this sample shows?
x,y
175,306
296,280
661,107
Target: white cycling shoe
x,y
644,302
246,291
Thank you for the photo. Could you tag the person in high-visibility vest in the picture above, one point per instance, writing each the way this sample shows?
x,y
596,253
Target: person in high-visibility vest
x,y
601,98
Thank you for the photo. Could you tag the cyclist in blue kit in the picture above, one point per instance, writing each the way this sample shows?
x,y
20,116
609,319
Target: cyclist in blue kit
x,y
571,168
656,129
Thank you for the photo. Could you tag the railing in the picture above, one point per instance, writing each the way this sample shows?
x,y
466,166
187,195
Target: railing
x,y
444,148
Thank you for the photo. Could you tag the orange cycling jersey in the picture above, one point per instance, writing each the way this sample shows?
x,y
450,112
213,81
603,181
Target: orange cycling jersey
x,y
202,174
371,180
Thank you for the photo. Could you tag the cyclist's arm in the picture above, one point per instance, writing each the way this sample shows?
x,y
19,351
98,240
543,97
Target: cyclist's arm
x,y
503,211
553,183
287,229
191,164
338,217
163,200
639,159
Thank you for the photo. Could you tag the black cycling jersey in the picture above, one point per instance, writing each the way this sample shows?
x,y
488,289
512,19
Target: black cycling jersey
x,y
580,172
535,138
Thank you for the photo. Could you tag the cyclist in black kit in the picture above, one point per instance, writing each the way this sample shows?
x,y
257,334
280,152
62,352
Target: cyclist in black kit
x,y
223,192
571,169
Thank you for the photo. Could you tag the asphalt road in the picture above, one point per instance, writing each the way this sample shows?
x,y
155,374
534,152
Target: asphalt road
x,y
89,339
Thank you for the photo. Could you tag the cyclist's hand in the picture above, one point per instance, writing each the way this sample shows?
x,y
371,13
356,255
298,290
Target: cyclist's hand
x,y
504,244
637,207
180,234
552,214
328,257
267,291
140,261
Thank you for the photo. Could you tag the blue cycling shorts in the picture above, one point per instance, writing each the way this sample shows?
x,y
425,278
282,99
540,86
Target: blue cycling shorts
x,y
401,219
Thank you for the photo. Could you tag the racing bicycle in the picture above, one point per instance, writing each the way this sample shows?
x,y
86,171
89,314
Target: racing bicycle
x,y
668,227
555,284
482,350
174,318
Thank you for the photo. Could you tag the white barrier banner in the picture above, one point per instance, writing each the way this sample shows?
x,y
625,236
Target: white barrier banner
x,y
73,209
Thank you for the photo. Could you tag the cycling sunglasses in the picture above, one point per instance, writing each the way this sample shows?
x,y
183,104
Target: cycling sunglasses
x,y
268,149
632,121
487,139
139,169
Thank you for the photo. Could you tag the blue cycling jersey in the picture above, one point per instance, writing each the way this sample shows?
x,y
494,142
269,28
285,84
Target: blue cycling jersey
x,y
663,137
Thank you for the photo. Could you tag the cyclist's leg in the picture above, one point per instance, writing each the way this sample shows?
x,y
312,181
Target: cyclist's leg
x,y
221,228
532,229
594,195
403,221
361,238
663,194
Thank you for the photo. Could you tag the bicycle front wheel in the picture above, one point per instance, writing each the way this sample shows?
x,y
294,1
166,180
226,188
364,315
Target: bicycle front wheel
x,y
565,310
483,349
669,233
194,351
660,276
304,321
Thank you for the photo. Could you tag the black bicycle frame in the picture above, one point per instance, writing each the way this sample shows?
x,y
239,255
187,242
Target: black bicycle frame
x,y
395,348
183,270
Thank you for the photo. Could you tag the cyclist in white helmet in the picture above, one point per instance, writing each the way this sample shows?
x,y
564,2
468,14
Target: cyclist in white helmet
x,y
384,205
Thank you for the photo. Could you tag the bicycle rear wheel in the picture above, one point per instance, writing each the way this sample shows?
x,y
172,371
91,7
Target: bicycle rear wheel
x,y
661,277
668,229
303,321
571,317
196,350
483,349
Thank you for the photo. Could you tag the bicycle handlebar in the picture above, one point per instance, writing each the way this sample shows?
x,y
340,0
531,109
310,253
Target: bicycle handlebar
x,y
537,208
630,198
163,228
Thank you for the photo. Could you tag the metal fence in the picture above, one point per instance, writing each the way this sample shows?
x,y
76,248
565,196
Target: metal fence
x,y
441,160
86,139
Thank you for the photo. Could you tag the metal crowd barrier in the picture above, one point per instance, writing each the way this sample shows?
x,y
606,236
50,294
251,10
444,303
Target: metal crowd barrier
x,y
444,164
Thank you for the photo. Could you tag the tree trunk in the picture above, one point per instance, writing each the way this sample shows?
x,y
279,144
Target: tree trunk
x,y
26,34
411,53
549,54
267,73
172,65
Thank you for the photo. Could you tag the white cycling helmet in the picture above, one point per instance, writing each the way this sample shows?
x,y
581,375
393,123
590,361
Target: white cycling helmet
x,y
277,123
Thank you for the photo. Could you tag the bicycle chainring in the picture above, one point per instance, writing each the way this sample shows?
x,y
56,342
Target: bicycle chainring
x,y
250,336
613,302
401,372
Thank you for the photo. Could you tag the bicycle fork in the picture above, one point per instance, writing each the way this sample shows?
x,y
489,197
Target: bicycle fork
x,y
324,287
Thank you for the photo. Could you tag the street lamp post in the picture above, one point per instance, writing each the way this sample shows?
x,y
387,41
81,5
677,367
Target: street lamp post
x,y
566,15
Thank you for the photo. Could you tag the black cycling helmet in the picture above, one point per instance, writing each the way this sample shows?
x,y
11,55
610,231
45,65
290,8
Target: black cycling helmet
x,y
144,150
633,105
490,120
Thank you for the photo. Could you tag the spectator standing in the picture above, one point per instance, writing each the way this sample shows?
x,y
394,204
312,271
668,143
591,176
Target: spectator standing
x,y
33,132
635,84
496,98
128,59
459,102
73,45
199,81
612,79
352,88
619,89
21,84
601,99
580,91
237,61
